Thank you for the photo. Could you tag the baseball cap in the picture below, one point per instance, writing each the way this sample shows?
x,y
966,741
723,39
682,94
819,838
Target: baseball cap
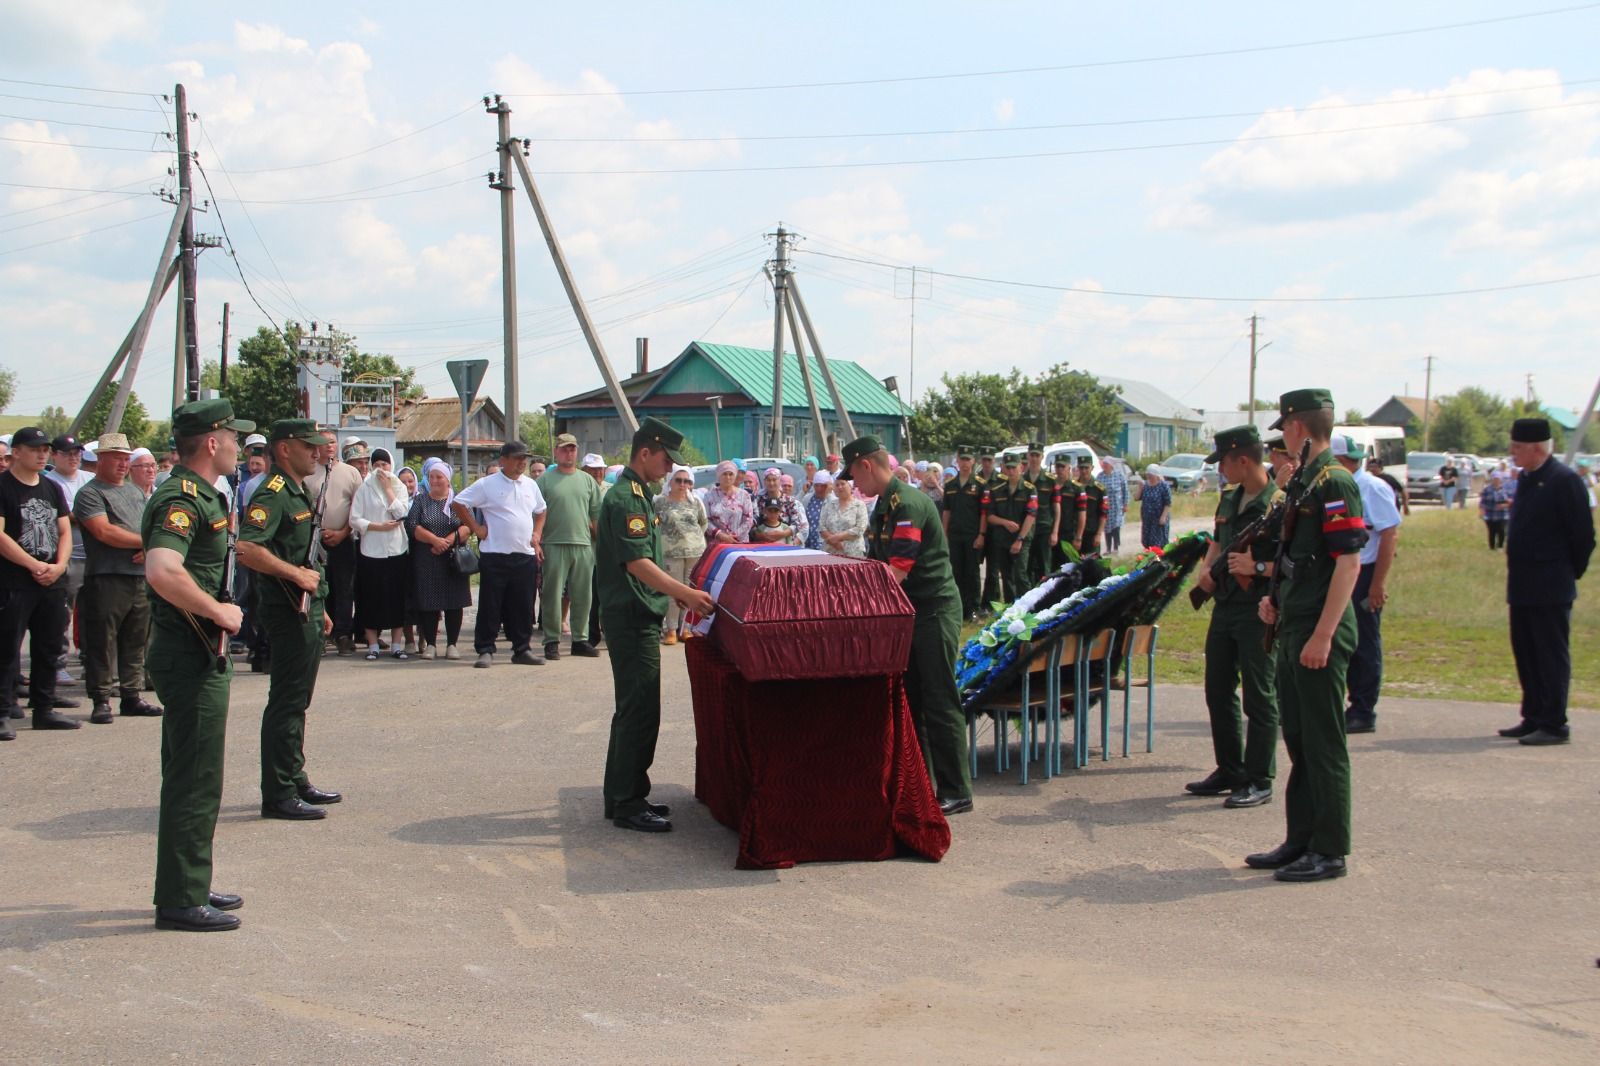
x,y
1345,447
591,461
29,437
566,440
256,440
66,443
513,448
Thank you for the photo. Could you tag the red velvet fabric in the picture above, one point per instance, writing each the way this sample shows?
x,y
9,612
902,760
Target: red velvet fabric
x,y
811,771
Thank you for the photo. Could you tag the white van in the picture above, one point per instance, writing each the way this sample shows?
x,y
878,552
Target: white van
x,y
1073,450
1388,443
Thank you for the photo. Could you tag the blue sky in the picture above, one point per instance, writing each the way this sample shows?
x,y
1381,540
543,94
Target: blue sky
x,y
1459,158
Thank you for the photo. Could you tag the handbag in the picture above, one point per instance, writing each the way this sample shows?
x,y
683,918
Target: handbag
x,y
463,560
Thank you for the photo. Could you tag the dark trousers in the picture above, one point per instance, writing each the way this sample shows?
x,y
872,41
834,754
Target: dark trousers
x,y
341,575
114,614
1541,642
935,705
506,583
428,626
1311,703
1497,533
1365,676
1113,539
1233,656
964,560
1008,573
41,614
192,734
296,655
636,723
595,633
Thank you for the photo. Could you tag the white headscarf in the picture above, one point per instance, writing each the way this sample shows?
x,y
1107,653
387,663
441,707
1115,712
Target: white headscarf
x,y
428,465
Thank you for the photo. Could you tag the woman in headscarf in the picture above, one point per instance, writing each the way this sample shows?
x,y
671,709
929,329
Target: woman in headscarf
x,y
1155,510
794,519
378,516
683,539
730,512
843,522
408,478
437,588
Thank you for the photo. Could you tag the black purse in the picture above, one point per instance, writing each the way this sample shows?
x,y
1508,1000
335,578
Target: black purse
x,y
463,560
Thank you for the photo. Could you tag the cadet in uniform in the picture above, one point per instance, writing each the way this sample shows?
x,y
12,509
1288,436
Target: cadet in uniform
x,y
1041,548
904,532
1090,507
1013,510
185,535
634,591
966,511
1060,511
1245,763
1316,637
274,541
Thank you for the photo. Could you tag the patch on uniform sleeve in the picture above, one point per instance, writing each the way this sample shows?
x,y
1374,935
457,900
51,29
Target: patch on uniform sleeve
x,y
301,516
256,516
190,488
275,483
178,521
637,526
220,523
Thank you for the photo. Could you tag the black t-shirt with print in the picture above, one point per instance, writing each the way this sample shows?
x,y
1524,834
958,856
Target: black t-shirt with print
x,y
31,514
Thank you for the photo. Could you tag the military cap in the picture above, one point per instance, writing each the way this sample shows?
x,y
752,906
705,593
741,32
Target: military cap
x,y
859,448
964,451
566,440
297,429
1034,447
1530,430
358,450
1229,439
203,416
1010,460
658,434
1300,401
1063,460
1084,460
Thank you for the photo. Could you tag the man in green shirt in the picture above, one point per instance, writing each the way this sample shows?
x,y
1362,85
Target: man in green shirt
x,y
634,591
1013,510
1044,484
966,506
185,535
905,533
572,501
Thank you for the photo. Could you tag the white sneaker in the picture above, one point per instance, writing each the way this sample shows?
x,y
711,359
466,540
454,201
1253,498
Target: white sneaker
x,y
451,652
427,651
411,647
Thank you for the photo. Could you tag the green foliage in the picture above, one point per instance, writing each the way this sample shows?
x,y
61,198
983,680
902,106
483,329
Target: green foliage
x,y
54,421
1354,417
135,419
1459,427
534,431
261,385
358,364
1262,405
8,387
211,375
994,410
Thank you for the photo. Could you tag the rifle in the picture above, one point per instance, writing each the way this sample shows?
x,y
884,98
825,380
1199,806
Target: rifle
x,y
230,564
1291,502
314,551
1243,540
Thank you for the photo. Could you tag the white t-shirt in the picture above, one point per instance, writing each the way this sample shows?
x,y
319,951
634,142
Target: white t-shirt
x,y
1377,504
71,485
508,509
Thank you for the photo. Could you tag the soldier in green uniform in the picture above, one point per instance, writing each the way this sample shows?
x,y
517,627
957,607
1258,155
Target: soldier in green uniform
x,y
966,511
986,474
1013,510
904,532
185,535
1042,547
274,541
634,591
1089,509
1058,512
1316,637
1246,758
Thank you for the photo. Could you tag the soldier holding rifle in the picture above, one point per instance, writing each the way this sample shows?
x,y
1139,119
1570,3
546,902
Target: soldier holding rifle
x,y
1309,600
279,539
186,539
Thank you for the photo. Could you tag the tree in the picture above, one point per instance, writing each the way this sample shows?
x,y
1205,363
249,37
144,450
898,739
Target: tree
x,y
54,421
262,385
1354,417
211,375
994,410
135,419
8,387
1459,426
534,431
1262,405
357,364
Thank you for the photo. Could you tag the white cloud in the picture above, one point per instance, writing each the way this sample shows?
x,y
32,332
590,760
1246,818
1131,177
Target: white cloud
x,y
38,31
1005,110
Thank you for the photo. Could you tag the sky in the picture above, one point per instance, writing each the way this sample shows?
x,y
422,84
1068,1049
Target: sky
x,y
1114,187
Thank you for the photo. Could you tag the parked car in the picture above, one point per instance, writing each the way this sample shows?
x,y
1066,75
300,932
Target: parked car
x,y
1422,475
705,476
1188,472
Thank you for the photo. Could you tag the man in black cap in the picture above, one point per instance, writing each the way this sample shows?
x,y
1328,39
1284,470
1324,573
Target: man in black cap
x,y
1548,545
510,545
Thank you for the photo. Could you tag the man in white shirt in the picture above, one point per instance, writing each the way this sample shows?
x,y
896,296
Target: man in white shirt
x,y
509,543
66,470
337,540
1364,676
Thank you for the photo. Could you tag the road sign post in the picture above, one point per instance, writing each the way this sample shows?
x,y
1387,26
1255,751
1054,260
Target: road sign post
x,y
467,375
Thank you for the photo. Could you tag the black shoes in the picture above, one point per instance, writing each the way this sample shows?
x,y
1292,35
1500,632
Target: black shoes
x,y
346,645
1521,729
6,732
63,703
1249,796
1282,855
52,720
646,821
955,805
101,715
1312,866
225,901
1213,784
526,658
260,665
201,919
552,649
293,809
1360,723
136,707
1542,737
585,649
313,794
661,810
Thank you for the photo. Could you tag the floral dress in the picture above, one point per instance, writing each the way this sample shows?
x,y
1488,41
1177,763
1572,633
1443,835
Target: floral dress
x,y
683,526
1153,533
850,518
731,513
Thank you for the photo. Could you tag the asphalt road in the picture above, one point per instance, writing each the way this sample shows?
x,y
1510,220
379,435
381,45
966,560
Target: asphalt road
x,y
467,903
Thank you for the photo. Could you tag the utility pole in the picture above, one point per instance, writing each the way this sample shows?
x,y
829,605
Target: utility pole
x,y
1529,391
911,374
222,383
780,285
508,259
839,409
1251,417
1427,401
188,337
1044,420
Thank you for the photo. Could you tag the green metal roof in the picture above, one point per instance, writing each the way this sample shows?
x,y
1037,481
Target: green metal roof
x,y
751,371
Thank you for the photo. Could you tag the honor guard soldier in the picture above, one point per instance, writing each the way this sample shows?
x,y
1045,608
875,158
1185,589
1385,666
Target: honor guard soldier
x,y
1316,637
1039,549
186,546
904,533
986,471
278,539
634,591
1247,757
1090,508
1013,510
966,510
1058,512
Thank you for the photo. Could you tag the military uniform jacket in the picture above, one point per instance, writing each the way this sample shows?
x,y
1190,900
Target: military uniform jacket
x,y
1091,503
967,505
1045,486
905,532
1329,523
1234,512
1014,505
279,518
1550,537
628,529
187,514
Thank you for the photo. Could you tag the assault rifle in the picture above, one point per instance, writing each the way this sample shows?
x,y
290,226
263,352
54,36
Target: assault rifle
x,y
1291,504
315,553
1243,540
230,566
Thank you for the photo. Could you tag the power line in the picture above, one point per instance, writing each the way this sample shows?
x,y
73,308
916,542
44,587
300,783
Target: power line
x,y
77,88
732,303
67,188
1087,65
86,125
217,207
120,191
70,214
81,103
85,233
364,151
86,147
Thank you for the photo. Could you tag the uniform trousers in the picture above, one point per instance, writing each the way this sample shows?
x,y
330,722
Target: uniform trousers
x,y
1541,643
40,613
505,596
1246,751
1365,676
114,615
1041,556
192,733
1009,572
1311,703
964,560
569,571
296,655
635,636
930,681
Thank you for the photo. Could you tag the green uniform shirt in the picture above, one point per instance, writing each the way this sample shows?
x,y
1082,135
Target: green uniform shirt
x,y
905,532
1329,523
573,501
628,530
187,514
1234,512
1089,501
1014,505
279,518
966,504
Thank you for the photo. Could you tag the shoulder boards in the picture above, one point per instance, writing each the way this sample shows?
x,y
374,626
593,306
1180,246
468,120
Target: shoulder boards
x,y
189,488
638,490
274,483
